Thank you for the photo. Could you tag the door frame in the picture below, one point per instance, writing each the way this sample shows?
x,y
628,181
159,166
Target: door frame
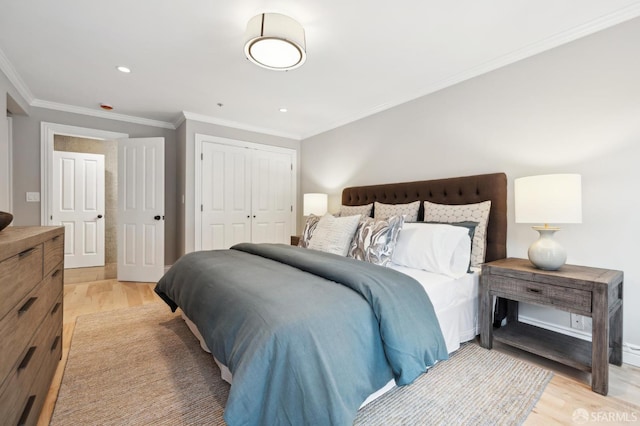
x,y
196,241
47,134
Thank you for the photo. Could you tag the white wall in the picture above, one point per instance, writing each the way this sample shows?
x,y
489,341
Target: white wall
x,y
574,109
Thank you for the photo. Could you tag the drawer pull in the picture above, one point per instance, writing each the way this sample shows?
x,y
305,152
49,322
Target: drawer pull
x,y
26,411
54,345
55,274
55,308
27,305
55,238
534,290
27,358
26,253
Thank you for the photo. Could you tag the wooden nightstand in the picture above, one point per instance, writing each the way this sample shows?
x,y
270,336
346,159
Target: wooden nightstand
x,y
592,292
295,239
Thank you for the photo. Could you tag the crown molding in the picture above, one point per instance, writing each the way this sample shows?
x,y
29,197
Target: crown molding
x,y
39,103
237,125
572,34
14,78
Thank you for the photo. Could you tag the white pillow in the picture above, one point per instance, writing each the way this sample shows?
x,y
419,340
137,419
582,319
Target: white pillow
x,y
334,234
440,248
478,212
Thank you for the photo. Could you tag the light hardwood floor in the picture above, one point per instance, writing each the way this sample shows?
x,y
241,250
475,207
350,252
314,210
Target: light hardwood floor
x,y
568,393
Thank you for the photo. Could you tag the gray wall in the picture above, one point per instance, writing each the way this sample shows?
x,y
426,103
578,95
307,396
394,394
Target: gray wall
x,y
574,109
26,163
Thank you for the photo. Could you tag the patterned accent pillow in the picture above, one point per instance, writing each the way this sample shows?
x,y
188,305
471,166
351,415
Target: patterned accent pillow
x,y
309,226
364,210
375,240
334,234
409,211
478,212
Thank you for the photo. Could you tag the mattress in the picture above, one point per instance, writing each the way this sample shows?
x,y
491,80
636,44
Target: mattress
x,y
455,302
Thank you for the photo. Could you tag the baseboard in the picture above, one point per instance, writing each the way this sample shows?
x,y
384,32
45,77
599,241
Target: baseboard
x,y
629,355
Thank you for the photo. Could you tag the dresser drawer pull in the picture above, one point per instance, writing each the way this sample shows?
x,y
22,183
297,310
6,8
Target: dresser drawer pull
x,y
55,308
55,238
26,411
54,345
27,358
55,274
27,305
534,290
26,253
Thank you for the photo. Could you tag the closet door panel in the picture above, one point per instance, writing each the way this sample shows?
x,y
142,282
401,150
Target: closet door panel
x,y
272,203
226,196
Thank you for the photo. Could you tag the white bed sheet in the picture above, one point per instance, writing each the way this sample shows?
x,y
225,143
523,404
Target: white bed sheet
x,y
455,302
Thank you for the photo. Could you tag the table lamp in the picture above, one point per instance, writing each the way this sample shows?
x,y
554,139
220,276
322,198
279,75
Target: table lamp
x,y
548,199
315,203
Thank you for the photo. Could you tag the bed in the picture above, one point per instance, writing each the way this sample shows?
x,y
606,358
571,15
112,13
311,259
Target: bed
x,y
336,347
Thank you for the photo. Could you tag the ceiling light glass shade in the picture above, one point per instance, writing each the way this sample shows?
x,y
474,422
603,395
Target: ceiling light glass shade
x,y
275,42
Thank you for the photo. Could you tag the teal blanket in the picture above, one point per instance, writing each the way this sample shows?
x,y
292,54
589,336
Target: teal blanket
x,y
307,335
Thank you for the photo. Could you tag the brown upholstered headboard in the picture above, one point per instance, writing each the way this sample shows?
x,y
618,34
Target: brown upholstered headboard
x,y
459,190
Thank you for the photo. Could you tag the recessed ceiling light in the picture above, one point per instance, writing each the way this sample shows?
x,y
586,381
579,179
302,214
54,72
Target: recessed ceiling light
x,y
123,69
283,110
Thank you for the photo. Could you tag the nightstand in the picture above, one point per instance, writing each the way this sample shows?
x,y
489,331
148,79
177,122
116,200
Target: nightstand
x,y
592,292
295,239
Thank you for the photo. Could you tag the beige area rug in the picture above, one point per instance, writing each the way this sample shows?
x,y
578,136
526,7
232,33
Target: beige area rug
x,y
142,365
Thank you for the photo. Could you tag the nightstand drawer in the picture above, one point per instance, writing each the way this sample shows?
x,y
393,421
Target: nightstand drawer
x,y
565,298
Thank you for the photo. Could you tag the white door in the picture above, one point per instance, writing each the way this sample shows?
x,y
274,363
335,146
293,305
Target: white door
x,y
226,196
246,195
271,205
78,205
140,209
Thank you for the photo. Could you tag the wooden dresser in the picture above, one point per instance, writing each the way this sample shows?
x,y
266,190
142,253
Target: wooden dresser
x,y
31,277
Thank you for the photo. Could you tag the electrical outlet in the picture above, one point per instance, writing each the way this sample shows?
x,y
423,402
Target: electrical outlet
x,y
577,321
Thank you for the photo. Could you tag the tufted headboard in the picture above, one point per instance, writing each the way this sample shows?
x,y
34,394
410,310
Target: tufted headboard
x,y
458,190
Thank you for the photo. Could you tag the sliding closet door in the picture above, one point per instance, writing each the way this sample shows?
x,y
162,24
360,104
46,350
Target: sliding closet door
x,y
226,196
272,197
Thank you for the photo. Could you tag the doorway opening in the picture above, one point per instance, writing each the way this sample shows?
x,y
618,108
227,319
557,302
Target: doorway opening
x,y
58,137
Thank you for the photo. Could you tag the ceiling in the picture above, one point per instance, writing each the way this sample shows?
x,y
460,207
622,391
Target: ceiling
x,y
187,57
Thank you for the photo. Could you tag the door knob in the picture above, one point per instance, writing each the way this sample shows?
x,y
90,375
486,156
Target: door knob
x,y
99,216
157,217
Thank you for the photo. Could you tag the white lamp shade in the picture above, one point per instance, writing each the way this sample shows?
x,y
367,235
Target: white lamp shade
x,y
315,203
548,199
275,42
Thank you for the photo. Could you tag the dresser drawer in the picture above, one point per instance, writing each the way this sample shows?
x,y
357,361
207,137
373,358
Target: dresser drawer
x,y
565,298
18,326
53,252
28,383
18,276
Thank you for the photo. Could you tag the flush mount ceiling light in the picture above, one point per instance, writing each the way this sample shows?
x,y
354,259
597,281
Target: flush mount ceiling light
x,y
275,42
123,69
